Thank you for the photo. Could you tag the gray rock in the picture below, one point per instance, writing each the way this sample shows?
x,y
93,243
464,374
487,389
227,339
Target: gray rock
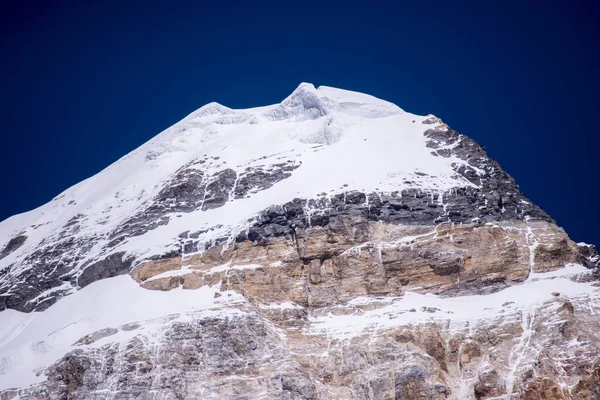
x,y
13,244
114,265
414,382
216,356
93,337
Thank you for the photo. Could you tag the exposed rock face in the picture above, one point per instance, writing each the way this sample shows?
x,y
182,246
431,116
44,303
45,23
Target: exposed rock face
x,y
113,265
287,273
189,190
63,257
276,355
12,245
221,357
322,266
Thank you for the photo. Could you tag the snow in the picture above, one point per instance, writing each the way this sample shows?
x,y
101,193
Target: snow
x,y
518,353
385,160
339,137
532,243
168,274
287,305
219,268
412,308
342,140
30,342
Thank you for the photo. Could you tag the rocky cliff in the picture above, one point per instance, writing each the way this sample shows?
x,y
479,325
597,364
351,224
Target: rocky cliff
x,y
332,246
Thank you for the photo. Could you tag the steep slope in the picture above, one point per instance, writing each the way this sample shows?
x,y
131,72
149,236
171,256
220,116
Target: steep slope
x,y
330,246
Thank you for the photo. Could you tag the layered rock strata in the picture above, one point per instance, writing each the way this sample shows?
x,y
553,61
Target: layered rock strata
x,y
241,257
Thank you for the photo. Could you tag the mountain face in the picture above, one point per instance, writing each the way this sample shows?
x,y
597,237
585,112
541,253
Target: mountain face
x,y
332,246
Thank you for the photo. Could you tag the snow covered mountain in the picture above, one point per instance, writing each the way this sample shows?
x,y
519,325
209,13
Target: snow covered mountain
x,y
330,246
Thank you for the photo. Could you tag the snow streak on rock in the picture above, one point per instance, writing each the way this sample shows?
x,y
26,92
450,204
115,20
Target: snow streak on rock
x,y
329,246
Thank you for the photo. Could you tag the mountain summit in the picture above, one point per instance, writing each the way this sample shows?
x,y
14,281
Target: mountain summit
x,y
329,246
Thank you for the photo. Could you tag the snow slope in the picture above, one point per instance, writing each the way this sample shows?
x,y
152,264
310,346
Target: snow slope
x,y
343,140
31,341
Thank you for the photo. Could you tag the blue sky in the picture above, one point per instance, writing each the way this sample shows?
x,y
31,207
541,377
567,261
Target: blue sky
x,y
83,84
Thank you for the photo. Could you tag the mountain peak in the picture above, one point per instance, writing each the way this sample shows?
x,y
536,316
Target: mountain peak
x,y
305,86
303,234
310,102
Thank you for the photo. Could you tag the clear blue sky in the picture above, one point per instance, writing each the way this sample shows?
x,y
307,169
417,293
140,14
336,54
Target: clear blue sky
x,y
83,84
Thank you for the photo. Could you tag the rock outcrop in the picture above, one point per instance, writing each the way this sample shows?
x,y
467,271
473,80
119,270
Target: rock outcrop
x,y
243,257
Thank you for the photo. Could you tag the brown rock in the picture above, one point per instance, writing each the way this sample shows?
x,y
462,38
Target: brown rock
x,y
487,385
544,389
318,269
555,254
468,351
208,259
435,346
150,268
192,280
167,283
588,388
